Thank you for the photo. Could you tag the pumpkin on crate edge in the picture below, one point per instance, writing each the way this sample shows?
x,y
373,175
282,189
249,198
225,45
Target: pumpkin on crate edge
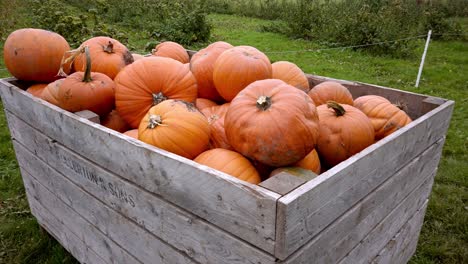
x,y
115,122
132,133
171,50
310,162
291,74
36,89
330,91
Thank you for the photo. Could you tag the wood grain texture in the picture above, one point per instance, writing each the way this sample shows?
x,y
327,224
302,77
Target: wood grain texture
x,y
282,183
335,241
307,210
245,210
91,116
206,243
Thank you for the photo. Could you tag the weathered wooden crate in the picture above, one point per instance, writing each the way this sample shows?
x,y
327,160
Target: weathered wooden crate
x,y
108,198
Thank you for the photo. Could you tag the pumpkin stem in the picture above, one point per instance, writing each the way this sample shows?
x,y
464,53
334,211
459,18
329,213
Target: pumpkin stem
x,y
402,106
263,102
69,60
154,121
339,110
87,75
158,98
109,48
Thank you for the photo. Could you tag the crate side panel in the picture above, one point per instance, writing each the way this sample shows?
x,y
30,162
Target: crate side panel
x,y
307,210
245,210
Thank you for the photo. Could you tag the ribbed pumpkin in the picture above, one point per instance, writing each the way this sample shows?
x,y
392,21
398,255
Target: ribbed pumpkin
x,y
291,74
34,54
385,117
310,162
202,64
137,56
108,56
82,91
229,162
36,89
115,122
344,131
202,103
272,122
330,91
176,126
132,133
238,67
149,81
215,116
171,50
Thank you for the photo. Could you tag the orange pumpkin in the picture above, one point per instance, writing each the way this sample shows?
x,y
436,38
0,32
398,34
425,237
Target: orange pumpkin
x,y
330,91
310,162
238,67
115,122
229,162
202,103
149,81
202,64
385,117
291,74
34,54
215,116
36,89
82,91
344,131
132,133
171,50
272,122
137,56
176,126
108,56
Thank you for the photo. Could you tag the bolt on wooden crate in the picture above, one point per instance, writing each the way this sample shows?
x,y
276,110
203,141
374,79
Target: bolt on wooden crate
x,y
108,198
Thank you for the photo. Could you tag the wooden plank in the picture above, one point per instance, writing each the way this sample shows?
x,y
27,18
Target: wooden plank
x,y
207,243
282,183
58,192
307,210
368,213
63,235
91,116
243,209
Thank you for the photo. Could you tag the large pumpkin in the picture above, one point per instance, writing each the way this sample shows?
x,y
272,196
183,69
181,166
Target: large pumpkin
x,y
36,89
215,116
202,103
176,126
108,56
171,50
229,162
310,162
272,122
202,64
385,117
238,67
344,131
34,54
82,91
330,91
149,81
115,122
291,74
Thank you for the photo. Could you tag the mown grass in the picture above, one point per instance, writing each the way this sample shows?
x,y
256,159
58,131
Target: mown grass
x,y
444,237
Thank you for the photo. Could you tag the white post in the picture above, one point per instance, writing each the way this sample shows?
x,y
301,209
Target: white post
x,y
423,58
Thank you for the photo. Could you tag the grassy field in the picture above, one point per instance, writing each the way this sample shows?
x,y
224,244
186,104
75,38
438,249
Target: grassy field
x,y
444,237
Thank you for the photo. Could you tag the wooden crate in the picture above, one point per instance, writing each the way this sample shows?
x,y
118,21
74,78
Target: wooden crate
x,y
108,198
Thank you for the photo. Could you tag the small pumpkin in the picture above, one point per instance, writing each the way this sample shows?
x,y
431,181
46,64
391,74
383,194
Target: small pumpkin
x,y
344,131
272,122
132,133
176,126
36,89
238,67
291,74
330,91
310,162
171,50
386,118
115,122
202,103
149,81
229,162
202,64
34,54
215,116
108,56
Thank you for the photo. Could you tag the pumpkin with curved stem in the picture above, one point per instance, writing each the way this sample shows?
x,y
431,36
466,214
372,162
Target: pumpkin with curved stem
x,y
344,131
385,117
108,56
272,122
202,64
115,122
36,89
310,162
290,74
34,54
149,81
330,91
176,126
132,133
171,50
202,103
238,67
82,91
229,162
215,116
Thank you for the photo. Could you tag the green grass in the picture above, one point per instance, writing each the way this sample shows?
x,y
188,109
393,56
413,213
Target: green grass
x,y
444,237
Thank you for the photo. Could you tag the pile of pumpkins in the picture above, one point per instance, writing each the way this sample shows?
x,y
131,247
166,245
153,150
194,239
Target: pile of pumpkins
x,y
226,107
